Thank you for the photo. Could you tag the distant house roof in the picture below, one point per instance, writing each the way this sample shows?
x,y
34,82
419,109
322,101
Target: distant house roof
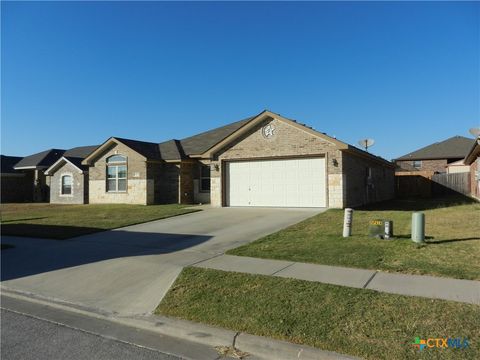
x,y
8,162
41,160
455,147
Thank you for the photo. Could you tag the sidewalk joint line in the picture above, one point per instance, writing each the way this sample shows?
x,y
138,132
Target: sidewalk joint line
x,y
369,280
200,261
276,272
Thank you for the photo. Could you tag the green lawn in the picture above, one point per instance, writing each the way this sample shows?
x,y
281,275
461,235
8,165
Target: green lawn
x,y
357,322
452,249
66,221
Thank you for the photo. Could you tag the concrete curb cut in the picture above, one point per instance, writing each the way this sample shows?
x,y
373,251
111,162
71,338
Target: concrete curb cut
x,y
260,347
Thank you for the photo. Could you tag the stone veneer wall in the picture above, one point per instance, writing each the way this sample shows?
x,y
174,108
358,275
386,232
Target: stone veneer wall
x,y
139,191
288,141
78,188
356,190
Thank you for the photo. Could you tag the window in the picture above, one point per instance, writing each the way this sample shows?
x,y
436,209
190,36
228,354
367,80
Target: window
x,y
66,185
205,178
117,173
417,164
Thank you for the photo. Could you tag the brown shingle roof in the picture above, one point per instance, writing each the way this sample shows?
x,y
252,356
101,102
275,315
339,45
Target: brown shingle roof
x,y
455,147
200,143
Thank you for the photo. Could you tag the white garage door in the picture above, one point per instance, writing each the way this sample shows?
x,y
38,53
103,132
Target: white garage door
x,y
287,183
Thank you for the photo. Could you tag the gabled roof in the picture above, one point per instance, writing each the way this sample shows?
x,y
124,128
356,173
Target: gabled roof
x,y
80,151
41,160
7,163
75,161
171,150
150,151
200,143
452,148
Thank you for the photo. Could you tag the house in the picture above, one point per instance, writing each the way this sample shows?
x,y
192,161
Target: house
x,y
435,157
473,160
263,160
457,167
35,166
15,184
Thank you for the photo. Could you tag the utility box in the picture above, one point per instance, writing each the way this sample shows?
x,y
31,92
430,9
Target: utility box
x,y
388,229
376,228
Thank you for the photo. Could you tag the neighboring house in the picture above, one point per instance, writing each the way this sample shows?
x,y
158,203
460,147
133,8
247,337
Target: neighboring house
x,y
473,160
435,157
15,184
457,167
264,160
35,166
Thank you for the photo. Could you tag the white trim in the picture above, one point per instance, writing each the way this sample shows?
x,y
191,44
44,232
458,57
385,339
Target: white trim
x,y
29,167
63,158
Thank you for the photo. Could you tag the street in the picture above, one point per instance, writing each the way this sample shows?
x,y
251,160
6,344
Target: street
x,y
33,330
24,337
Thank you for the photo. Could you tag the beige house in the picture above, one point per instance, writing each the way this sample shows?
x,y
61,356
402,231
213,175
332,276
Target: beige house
x,y
264,160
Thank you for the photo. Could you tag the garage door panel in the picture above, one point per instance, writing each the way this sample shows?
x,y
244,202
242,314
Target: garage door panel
x,y
281,183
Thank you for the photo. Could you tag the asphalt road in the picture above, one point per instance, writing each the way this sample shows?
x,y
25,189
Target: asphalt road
x,y
24,337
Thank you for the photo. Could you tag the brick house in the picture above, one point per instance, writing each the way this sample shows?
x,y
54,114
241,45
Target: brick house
x,y
38,186
264,160
435,157
473,159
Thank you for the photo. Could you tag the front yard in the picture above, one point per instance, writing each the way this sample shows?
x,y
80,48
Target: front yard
x,y
66,221
452,248
357,322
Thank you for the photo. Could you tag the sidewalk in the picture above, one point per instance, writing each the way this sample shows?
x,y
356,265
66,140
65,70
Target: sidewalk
x,y
467,291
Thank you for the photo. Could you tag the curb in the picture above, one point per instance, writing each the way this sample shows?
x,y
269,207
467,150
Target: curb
x,y
258,346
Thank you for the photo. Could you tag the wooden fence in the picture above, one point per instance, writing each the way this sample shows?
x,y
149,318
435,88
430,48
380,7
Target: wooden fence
x,y
428,184
458,182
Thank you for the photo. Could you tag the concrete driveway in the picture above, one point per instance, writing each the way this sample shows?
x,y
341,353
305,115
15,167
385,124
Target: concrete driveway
x,y
128,271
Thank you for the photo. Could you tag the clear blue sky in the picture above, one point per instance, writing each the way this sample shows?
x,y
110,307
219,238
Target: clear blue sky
x,y
405,74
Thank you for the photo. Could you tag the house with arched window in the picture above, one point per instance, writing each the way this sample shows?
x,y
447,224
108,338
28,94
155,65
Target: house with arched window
x,y
263,160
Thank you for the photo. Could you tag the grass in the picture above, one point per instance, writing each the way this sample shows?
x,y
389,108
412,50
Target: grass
x,y
452,250
66,221
357,322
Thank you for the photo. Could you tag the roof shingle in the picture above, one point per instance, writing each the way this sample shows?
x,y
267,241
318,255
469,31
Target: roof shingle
x,y
452,148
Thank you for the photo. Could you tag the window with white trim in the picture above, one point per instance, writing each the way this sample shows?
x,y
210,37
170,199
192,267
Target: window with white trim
x,y
205,178
67,185
417,164
117,173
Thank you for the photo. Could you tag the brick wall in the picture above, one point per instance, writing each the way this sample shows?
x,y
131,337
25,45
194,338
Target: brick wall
x,y
358,189
427,165
139,190
78,190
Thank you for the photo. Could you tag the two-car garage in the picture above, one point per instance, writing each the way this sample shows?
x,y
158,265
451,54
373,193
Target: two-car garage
x,y
293,182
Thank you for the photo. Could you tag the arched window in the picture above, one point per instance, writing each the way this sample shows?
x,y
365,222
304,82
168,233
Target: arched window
x,y
117,173
66,185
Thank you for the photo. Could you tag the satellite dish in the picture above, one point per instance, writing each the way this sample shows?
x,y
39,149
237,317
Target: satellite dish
x,y
366,143
475,132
